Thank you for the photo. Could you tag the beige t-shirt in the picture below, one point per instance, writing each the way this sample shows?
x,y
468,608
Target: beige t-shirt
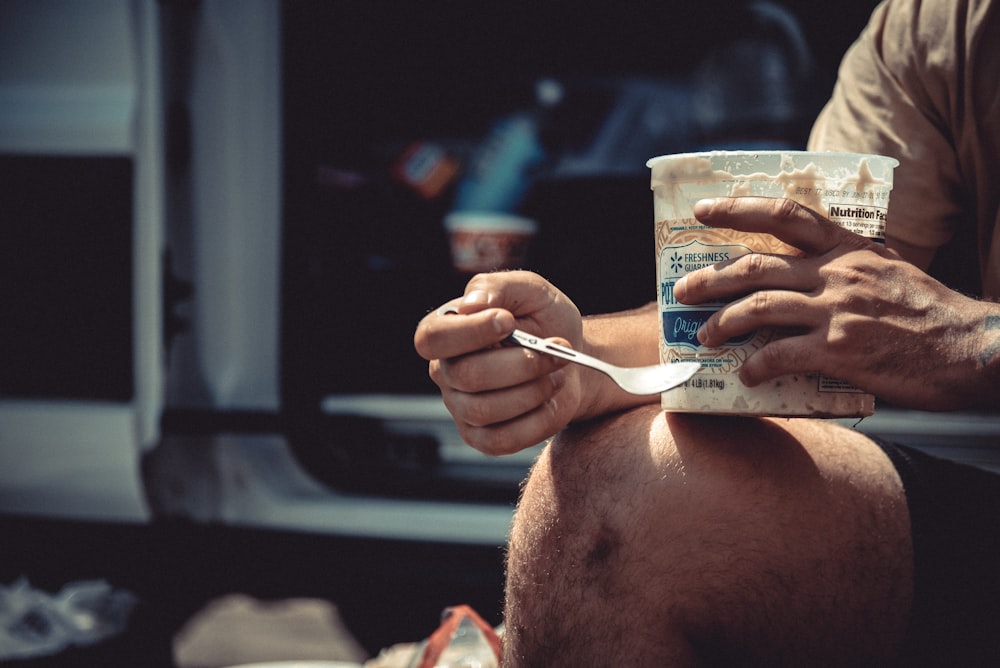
x,y
922,84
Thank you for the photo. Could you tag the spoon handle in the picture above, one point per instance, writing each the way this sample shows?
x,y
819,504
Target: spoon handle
x,y
542,345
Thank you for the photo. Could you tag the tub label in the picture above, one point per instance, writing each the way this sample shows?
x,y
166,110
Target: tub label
x,y
681,322
866,220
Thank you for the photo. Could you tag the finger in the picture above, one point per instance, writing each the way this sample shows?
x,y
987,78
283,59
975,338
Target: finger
x,y
793,354
442,335
478,296
525,430
767,308
514,436
786,219
491,369
521,292
756,271
488,408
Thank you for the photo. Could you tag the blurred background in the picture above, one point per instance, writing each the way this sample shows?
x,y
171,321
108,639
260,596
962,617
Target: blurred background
x,y
220,222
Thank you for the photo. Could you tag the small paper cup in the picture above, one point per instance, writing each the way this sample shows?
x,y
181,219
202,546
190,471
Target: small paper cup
x,y
488,241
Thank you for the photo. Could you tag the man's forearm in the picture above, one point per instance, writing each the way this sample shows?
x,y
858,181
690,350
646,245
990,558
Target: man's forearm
x,y
627,338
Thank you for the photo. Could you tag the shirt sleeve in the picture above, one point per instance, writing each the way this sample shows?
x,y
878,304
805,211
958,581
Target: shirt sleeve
x,y
894,95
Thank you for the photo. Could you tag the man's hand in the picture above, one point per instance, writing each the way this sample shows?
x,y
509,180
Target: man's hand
x,y
503,398
853,310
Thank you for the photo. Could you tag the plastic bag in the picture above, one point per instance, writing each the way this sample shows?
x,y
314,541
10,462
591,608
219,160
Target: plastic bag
x,y
463,640
35,623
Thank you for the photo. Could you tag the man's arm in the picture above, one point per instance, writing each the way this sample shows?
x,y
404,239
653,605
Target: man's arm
x,y
627,338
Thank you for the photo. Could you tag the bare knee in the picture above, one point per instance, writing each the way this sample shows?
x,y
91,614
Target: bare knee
x,y
577,576
707,533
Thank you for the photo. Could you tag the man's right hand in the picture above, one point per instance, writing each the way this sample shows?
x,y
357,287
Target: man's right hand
x,y
504,398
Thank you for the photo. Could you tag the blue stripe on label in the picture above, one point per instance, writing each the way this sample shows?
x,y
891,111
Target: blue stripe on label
x,y
680,328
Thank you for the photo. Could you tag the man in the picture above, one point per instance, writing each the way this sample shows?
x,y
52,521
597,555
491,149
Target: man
x,y
646,538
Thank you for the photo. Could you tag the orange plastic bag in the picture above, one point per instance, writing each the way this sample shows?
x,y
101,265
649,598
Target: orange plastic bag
x,y
461,634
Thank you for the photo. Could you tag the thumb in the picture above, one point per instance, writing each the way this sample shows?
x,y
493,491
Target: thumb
x,y
520,292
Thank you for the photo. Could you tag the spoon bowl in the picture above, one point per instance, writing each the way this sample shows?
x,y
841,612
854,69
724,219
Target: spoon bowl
x,y
642,380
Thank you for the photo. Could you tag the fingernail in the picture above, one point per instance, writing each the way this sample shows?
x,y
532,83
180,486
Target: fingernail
x,y
479,297
502,323
679,286
703,207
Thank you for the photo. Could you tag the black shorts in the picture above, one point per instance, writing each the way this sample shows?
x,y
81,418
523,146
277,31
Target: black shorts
x,y
955,523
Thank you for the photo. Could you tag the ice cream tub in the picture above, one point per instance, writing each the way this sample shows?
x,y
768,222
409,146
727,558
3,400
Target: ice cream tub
x,y
848,188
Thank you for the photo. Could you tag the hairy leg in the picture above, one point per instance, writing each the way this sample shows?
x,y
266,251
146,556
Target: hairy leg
x,y
660,539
